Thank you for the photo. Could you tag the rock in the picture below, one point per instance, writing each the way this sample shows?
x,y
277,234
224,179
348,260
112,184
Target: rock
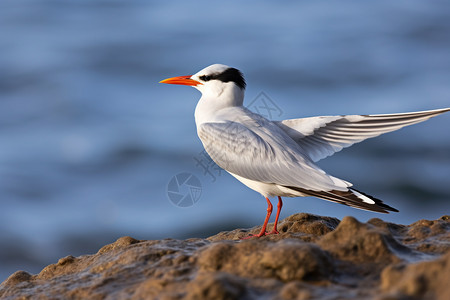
x,y
284,260
313,257
424,280
361,243
215,286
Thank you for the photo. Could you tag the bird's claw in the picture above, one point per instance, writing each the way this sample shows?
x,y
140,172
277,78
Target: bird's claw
x,y
274,231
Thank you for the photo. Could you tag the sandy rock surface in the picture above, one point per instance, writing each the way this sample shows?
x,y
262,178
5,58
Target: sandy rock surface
x,y
313,257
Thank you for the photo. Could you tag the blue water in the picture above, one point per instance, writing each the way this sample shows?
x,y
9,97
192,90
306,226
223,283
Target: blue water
x,y
89,140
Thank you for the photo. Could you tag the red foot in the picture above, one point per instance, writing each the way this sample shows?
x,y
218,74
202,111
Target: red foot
x,y
259,235
273,232
269,212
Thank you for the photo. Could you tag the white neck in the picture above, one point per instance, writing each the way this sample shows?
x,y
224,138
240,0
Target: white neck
x,y
215,98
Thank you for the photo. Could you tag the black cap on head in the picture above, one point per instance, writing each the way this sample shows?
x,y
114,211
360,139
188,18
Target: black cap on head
x,y
230,74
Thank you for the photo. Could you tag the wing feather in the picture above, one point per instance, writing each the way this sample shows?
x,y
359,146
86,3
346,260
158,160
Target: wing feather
x,y
265,154
323,136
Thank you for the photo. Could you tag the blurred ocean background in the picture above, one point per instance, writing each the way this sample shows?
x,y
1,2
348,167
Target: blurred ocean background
x,y
89,140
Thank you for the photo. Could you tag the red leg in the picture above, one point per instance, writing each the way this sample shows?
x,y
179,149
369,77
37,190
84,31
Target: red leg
x,y
279,206
263,229
269,212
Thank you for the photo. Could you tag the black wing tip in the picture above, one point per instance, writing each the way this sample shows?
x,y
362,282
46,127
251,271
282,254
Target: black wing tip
x,y
378,202
349,198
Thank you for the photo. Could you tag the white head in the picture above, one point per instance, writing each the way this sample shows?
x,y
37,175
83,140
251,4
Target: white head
x,y
217,83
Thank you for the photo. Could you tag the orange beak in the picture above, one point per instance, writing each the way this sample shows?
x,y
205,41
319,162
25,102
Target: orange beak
x,y
183,80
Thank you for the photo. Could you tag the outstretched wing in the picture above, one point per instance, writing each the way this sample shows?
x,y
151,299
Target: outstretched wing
x,y
320,137
264,153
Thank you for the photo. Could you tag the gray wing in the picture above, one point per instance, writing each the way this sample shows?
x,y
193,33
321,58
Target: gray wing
x,y
320,137
264,153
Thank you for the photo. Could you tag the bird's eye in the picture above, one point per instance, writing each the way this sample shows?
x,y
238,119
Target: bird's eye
x,y
205,77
